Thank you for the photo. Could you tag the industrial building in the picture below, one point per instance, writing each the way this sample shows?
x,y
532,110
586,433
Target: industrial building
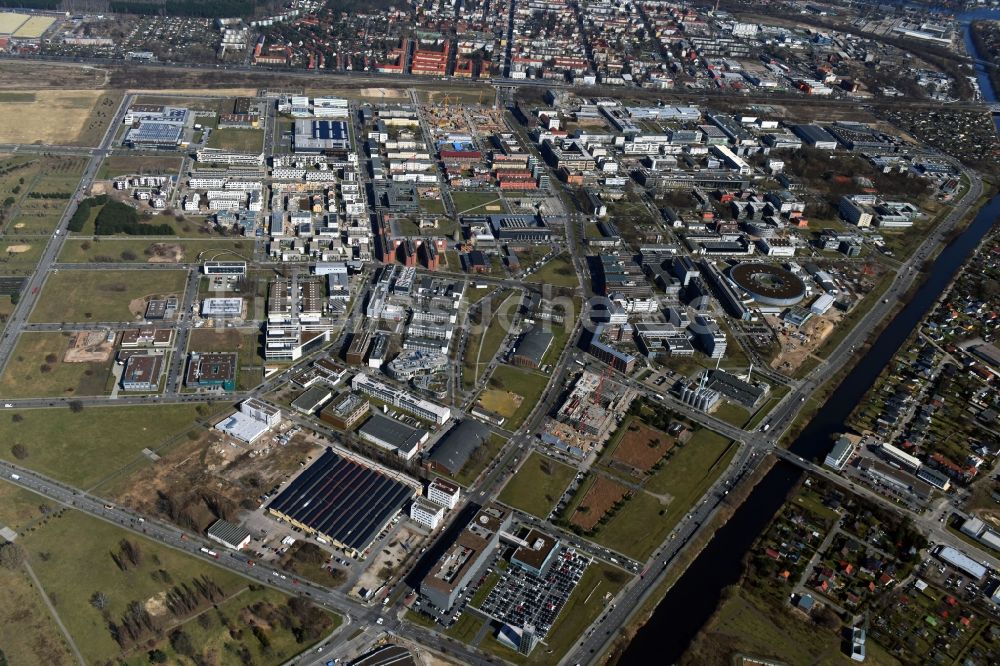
x,y
531,348
321,136
211,370
454,449
229,535
737,389
312,399
392,435
464,559
342,501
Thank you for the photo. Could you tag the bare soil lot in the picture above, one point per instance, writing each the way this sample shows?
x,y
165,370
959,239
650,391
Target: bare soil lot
x,y
641,447
601,496
206,478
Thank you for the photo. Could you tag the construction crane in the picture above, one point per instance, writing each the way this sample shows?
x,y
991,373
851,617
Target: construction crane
x,y
447,99
599,391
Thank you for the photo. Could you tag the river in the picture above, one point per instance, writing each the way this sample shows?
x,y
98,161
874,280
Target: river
x,y
695,596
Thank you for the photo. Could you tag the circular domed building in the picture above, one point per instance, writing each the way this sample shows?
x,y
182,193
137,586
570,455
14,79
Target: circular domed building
x,y
768,284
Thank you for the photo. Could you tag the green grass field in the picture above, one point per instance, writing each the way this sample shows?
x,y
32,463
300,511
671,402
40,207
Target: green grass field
x,y
466,628
94,295
214,636
37,370
129,165
537,486
644,522
81,449
483,345
477,203
71,575
28,634
19,255
691,465
432,206
247,140
745,625
557,271
528,384
137,250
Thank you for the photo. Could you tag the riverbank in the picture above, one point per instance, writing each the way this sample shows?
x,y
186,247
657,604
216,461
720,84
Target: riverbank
x,y
642,614
694,597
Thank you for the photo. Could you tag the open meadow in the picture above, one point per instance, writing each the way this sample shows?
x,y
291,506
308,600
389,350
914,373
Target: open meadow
x,y
103,295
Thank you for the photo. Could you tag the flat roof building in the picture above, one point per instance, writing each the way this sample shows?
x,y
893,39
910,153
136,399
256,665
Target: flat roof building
x,y
142,372
342,500
229,535
842,452
455,448
212,370
444,492
404,400
536,556
393,435
465,558
222,308
346,411
426,513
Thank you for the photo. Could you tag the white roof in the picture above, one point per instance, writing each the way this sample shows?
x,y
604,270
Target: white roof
x,y
242,427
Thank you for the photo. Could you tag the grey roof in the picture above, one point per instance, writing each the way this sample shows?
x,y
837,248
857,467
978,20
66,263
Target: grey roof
x,y
455,448
392,432
342,499
534,344
228,533
311,399
734,388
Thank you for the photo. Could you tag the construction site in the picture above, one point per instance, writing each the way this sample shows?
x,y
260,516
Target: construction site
x,y
589,415
90,347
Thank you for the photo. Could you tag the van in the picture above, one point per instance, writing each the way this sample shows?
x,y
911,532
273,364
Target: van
x,y
16,477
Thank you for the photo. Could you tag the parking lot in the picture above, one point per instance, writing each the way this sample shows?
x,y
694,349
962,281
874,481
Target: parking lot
x,y
521,598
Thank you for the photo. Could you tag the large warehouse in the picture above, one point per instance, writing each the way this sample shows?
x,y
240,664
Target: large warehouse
x,y
768,284
342,501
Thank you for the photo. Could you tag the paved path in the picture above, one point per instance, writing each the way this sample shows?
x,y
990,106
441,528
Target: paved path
x,y
55,615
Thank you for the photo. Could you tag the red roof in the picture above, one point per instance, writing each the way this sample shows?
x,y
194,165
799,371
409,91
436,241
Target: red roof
x,y
461,154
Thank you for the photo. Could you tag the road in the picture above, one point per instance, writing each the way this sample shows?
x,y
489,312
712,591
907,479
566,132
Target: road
x,y
760,443
33,287
178,539
753,445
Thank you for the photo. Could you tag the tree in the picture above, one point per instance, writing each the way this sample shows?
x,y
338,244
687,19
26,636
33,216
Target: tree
x,y
181,643
157,657
12,555
75,406
99,600
19,451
